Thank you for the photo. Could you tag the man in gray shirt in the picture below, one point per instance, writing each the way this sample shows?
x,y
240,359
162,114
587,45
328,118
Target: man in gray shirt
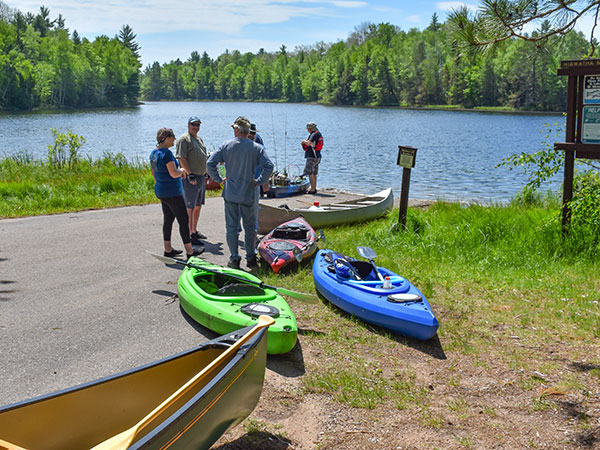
x,y
243,158
192,155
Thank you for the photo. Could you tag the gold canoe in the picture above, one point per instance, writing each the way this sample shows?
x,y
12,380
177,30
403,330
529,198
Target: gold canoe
x,y
185,401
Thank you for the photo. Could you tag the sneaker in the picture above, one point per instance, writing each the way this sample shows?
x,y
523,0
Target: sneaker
x,y
196,252
195,240
198,235
252,262
234,263
173,253
312,192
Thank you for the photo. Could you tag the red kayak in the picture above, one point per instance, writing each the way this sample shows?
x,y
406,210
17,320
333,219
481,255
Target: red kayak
x,y
289,242
212,185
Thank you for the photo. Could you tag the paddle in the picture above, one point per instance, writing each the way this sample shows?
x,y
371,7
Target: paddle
x,y
369,253
302,296
124,439
298,252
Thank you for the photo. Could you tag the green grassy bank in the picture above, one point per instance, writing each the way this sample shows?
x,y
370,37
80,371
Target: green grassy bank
x,y
30,187
519,309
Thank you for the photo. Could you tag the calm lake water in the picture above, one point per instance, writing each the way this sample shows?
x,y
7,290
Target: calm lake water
x,y
456,158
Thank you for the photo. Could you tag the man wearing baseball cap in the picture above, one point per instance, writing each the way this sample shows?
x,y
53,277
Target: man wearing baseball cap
x,y
243,158
192,155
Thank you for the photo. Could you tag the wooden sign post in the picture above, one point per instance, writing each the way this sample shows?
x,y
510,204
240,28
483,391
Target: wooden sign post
x,y
582,135
406,160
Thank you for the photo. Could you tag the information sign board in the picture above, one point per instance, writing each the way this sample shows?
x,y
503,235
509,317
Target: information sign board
x,y
406,157
591,125
591,89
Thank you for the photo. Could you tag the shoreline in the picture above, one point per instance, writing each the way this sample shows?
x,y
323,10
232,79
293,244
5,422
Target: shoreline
x,y
477,109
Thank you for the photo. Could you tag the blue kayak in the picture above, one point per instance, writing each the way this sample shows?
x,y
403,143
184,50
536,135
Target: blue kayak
x,y
354,287
287,187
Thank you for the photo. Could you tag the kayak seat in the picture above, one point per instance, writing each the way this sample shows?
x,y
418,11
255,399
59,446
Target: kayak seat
x,y
240,289
363,268
292,231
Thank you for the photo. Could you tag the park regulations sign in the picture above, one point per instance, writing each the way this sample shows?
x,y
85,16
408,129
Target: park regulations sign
x,y
591,125
591,89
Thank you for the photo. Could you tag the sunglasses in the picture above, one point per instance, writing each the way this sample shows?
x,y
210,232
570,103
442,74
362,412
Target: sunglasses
x,y
195,124
166,135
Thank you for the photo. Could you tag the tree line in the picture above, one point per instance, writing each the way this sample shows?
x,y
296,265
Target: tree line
x,y
44,65
379,65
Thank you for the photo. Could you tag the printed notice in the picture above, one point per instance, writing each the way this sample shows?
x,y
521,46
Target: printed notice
x,y
591,125
591,91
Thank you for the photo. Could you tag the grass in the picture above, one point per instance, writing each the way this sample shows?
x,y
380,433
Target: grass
x,y
509,290
31,187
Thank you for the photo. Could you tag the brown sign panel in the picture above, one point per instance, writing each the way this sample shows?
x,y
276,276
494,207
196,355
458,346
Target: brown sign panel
x,y
579,67
580,63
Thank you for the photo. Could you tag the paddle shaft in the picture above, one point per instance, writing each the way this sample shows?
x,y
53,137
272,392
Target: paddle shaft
x,y
376,270
298,295
124,439
235,277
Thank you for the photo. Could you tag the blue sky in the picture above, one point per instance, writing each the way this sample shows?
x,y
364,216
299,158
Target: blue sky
x,y
167,30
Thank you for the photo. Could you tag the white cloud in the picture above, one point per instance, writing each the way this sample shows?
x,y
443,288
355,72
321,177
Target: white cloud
x,y
229,16
448,6
414,18
349,4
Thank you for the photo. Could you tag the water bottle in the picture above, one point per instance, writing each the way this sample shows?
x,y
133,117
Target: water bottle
x,y
387,283
315,207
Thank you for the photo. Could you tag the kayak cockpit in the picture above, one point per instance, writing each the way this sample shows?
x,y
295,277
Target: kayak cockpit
x,y
223,288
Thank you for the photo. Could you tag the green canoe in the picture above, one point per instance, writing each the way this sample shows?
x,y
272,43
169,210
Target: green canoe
x,y
223,304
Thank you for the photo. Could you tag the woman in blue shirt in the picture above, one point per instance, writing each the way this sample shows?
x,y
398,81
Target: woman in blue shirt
x,y
167,187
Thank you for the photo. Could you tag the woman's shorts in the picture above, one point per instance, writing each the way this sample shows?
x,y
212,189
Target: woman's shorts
x,y
312,166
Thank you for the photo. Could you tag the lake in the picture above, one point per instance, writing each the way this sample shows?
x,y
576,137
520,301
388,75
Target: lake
x,y
456,158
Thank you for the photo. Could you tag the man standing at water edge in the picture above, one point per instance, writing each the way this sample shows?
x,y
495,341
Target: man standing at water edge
x,y
192,155
243,158
312,152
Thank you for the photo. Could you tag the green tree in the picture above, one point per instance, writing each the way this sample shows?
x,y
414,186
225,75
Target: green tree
x,y
498,21
127,39
152,86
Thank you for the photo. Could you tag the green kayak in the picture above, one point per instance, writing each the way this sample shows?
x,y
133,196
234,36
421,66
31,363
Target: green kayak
x,y
224,304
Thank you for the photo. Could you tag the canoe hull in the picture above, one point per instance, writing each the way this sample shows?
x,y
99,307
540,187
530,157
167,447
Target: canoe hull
x,y
84,416
359,210
368,301
276,248
223,314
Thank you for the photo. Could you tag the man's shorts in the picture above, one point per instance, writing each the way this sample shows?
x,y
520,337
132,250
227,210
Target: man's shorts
x,y
194,193
312,166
